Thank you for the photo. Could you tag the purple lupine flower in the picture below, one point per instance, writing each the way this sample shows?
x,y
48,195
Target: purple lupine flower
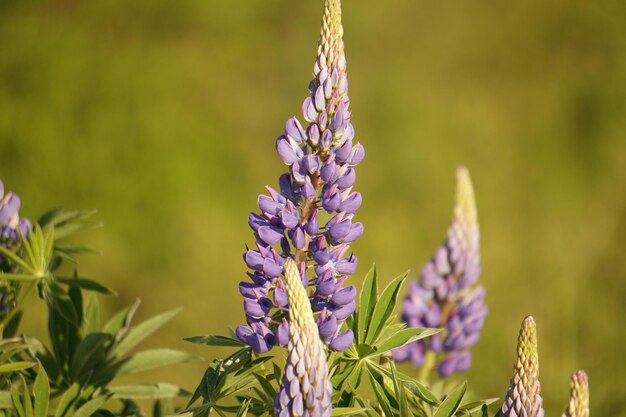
x,y
446,294
305,389
310,218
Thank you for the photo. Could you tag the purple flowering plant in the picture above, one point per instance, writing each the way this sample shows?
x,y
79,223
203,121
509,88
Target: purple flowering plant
x,y
337,349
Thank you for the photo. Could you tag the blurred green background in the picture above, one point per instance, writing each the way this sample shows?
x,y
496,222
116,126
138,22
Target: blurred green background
x,y
163,115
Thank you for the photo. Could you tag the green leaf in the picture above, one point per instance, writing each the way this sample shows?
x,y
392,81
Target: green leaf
x,y
86,284
119,324
243,410
266,385
92,346
90,407
91,318
346,411
141,331
67,399
59,216
214,340
71,249
17,401
383,308
403,337
150,359
451,404
60,301
398,388
5,399
367,301
15,366
148,391
475,406
41,390
381,396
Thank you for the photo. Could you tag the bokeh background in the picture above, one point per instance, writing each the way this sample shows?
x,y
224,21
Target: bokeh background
x,y
163,115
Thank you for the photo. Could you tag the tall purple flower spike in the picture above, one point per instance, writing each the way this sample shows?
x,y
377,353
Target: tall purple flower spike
x,y
310,218
446,294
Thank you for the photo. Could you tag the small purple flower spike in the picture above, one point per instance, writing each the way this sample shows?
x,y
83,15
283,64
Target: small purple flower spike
x,y
310,218
446,294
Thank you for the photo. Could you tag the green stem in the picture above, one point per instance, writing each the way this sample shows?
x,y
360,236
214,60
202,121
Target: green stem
x,y
429,364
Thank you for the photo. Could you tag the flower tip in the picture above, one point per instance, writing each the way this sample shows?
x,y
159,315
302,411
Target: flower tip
x,y
465,200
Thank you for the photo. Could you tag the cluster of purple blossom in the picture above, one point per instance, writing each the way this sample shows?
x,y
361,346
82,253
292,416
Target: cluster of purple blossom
x,y
446,294
10,223
310,217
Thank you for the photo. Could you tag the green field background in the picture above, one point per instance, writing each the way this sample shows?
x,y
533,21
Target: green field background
x,y
163,116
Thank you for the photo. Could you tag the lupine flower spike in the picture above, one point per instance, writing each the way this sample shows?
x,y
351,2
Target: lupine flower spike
x,y
317,188
305,389
579,397
523,398
446,294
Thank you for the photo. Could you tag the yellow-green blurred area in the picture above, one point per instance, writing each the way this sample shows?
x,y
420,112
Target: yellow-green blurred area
x,y
163,116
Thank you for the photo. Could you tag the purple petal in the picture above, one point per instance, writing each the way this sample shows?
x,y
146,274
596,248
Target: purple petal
x,y
346,266
347,179
254,260
345,311
294,130
328,328
343,152
298,239
286,153
356,154
352,203
268,205
280,297
270,234
356,231
9,207
326,288
308,110
282,333
343,341
344,296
